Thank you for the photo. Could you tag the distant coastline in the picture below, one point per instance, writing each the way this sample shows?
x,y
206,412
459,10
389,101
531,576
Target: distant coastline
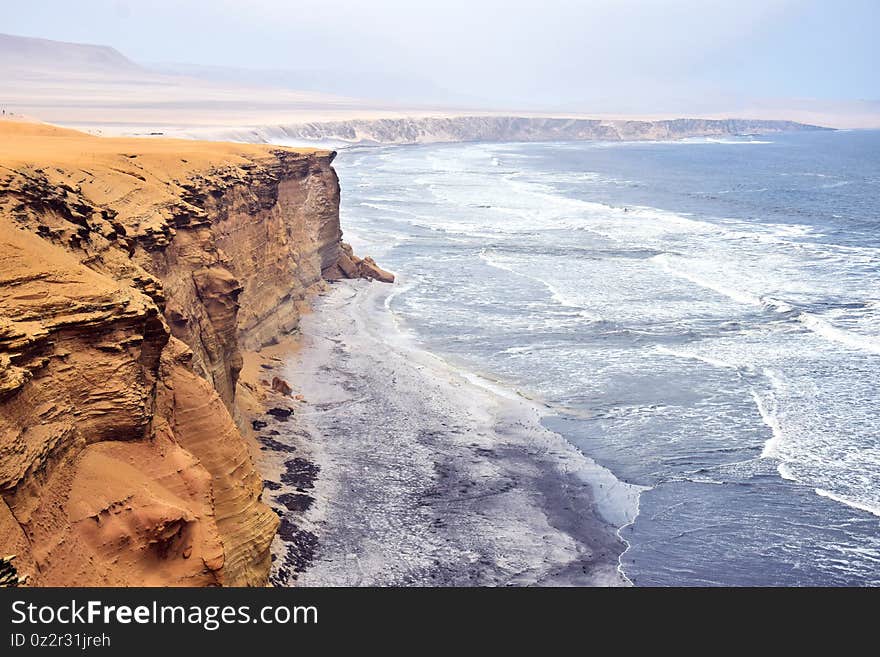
x,y
428,130
415,129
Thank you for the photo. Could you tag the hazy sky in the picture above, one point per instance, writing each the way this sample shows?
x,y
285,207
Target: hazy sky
x,y
612,54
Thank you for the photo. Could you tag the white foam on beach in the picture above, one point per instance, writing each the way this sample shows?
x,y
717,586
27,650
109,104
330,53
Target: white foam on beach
x,y
620,569
856,504
617,501
768,408
493,403
840,336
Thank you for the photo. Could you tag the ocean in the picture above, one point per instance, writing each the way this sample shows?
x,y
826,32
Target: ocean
x,y
701,317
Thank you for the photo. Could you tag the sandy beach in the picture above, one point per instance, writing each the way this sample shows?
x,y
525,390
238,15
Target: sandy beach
x,y
401,470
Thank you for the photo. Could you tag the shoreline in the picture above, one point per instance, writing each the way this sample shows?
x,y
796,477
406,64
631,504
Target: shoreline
x,y
457,484
268,412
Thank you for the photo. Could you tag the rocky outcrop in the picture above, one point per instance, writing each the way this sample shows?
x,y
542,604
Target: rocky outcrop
x,y
133,273
281,386
348,265
514,128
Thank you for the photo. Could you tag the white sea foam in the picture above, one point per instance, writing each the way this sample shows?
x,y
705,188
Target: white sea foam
x,y
720,140
385,207
785,472
518,350
575,177
803,456
856,504
709,360
740,296
815,324
556,294
768,410
816,399
617,501
840,336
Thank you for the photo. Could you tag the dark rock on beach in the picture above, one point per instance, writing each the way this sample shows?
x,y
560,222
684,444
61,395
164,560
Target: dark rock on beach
x,y
281,414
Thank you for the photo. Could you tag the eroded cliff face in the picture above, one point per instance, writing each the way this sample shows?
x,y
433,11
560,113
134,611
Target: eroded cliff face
x,y
132,275
425,130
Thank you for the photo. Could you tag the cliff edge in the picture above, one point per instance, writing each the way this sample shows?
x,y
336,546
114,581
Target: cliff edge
x,y
133,273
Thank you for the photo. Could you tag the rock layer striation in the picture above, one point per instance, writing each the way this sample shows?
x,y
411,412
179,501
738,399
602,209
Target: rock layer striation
x,y
133,274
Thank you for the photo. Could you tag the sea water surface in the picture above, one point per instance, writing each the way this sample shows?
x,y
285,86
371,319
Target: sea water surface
x,y
701,317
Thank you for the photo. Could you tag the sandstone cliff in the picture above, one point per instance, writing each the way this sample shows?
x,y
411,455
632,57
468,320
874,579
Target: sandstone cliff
x,y
514,128
132,275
